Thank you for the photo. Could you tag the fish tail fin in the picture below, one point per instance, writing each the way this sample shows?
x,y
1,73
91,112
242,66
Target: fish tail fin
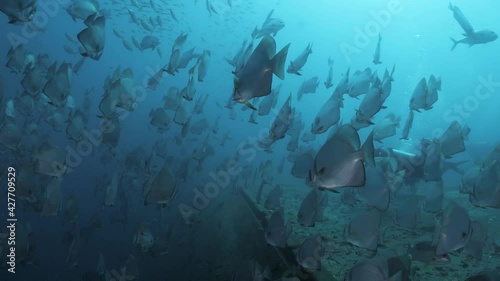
x,y
369,151
450,6
455,43
278,62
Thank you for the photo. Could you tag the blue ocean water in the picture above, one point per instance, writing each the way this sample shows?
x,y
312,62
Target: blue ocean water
x,y
206,229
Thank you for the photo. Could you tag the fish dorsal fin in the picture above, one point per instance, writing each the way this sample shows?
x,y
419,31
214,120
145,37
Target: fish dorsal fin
x,y
90,20
269,15
100,22
263,53
268,46
347,134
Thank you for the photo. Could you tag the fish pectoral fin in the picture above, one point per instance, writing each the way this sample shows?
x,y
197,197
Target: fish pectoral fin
x,y
330,190
247,103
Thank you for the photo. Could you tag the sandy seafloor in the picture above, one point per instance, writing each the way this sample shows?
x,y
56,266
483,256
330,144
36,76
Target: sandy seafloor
x,y
339,256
